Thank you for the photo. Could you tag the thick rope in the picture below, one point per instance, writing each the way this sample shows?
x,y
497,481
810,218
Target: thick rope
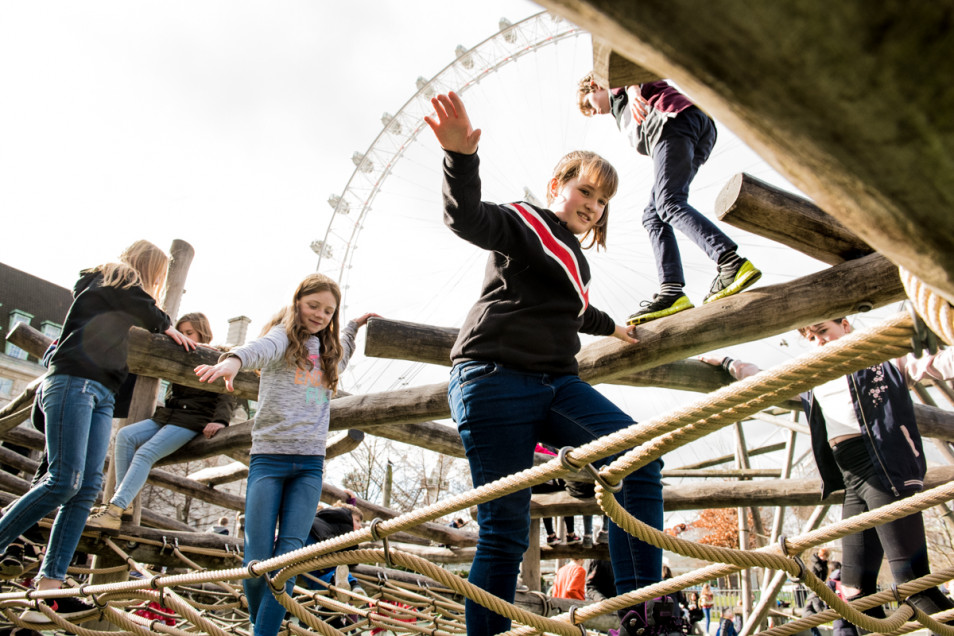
x,y
931,306
652,439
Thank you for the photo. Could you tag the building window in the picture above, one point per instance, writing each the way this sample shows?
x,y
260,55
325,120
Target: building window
x,y
50,329
17,316
6,388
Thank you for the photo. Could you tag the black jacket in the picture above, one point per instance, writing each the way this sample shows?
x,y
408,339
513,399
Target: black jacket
x,y
884,408
95,338
330,523
193,408
534,301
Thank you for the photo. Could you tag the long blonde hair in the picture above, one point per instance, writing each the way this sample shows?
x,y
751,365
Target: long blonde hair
x,y
329,337
142,263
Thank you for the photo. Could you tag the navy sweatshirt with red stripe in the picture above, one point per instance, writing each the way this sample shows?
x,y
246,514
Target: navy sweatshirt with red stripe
x,y
534,298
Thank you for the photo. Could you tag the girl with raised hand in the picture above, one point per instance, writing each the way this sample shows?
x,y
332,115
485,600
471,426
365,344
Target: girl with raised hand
x,y
187,412
515,378
77,397
300,354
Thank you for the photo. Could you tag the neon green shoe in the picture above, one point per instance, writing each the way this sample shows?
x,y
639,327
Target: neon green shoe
x,y
726,284
660,306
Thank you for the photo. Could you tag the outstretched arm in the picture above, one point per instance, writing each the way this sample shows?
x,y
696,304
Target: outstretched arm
x,y
452,126
738,369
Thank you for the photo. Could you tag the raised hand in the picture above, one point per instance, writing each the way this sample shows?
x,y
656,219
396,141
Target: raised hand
x,y
452,126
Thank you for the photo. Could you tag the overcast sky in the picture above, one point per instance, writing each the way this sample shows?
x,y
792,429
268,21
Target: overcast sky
x,y
224,123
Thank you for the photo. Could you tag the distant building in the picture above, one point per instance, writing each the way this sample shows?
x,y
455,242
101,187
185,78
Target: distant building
x,y
39,303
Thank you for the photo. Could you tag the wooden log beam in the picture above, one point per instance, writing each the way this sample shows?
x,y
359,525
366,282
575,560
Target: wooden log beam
x,y
721,494
738,473
613,70
848,100
434,531
868,282
218,475
715,461
753,205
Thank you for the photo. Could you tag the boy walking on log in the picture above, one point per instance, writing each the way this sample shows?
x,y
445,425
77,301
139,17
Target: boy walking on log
x,y
662,123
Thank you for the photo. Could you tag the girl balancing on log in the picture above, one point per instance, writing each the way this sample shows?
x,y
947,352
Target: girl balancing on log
x,y
515,378
301,355
77,397
187,412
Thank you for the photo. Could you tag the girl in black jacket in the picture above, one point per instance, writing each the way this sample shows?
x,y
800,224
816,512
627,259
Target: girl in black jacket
x,y
188,412
86,370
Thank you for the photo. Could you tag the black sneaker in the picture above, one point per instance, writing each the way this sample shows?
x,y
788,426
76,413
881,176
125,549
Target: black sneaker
x,y
11,562
658,617
661,305
69,608
733,281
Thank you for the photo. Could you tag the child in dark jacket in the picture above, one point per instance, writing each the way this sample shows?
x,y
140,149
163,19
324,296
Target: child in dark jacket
x,y
187,412
87,368
662,123
515,379
865,439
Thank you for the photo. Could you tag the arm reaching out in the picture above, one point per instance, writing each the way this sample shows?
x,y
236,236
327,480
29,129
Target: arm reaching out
x,y
738,369
227,369
452,126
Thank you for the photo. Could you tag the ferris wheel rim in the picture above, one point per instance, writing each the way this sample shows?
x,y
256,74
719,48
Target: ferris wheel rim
x,y
513,34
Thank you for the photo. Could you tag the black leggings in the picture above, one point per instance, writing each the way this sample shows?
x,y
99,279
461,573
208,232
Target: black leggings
x,y
901,540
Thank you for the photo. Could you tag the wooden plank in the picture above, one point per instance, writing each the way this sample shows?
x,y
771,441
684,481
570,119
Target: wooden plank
x,y
612,70
757,207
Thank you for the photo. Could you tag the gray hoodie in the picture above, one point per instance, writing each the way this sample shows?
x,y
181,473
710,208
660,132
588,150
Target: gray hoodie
x,y
293,406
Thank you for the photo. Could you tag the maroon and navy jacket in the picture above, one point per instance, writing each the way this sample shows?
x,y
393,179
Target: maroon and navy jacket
x,y
665,102
534,299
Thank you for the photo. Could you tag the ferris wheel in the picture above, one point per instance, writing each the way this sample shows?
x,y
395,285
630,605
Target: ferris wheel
x,y
336,250
408,266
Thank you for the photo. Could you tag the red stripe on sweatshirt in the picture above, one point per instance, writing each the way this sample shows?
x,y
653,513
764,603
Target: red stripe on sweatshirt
x,y
557,250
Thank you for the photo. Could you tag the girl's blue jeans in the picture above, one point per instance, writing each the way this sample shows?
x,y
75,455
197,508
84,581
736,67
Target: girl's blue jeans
x,y
79,416
501,415
283,491
138,447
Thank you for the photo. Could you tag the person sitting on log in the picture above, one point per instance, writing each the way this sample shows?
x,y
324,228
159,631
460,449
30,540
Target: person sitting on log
x,y
865,439
662,123
300,354
515,379
187,412
339,519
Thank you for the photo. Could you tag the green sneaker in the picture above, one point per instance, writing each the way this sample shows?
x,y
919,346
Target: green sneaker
x,y
728,283
660,306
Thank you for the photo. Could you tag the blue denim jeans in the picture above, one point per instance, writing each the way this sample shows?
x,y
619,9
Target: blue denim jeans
x,y
283,491
79,416
501,415
138,447
684,146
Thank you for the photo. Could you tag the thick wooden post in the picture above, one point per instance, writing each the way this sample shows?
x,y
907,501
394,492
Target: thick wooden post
x,y
530,572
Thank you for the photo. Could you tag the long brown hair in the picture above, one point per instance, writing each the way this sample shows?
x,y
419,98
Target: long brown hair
x,y
200,323
142,263
584,163
329,337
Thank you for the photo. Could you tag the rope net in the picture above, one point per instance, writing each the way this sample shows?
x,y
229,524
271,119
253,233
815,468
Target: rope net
x,y
211,601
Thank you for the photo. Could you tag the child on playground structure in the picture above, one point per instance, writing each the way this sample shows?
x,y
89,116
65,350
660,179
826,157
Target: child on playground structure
x,y
662,123
86,370
300,355
515,377
187,412
865,439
